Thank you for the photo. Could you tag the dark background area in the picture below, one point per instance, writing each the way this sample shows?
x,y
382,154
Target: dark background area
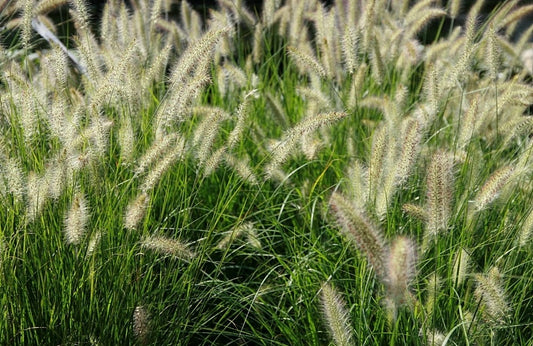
x,y
203,6
257,4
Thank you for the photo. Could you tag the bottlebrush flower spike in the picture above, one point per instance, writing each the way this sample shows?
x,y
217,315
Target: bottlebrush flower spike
x,y
492,296
360,231
336,316
76,219
136,210
439,192
169,247
490,190
400,272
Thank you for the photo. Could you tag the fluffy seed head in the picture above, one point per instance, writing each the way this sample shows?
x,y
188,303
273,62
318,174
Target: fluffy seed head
x,y
45,7
253,239
400,271
156,151
359,231
349,43
236,76
212,163
460,267
315,95
141,324
376,60
162,166
494,184
28,116
526,229
168,247
416,211
422,19
76,219
207,132
98,133
157,67
93,243
357,84
468,126
242,114
37,194
234,233
56,178
195,55
358,183
27,15
439,192
336,316
82,14
527,60
435,338
291,137
433,287
409,150
455,7
136,211
493,298
257,50
126,138
432,88
13,175
269,9
516,15
306,62
492,54
378,156
60,66
242,168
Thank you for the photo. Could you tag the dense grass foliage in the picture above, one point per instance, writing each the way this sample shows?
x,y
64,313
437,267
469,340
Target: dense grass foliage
x,y
304,175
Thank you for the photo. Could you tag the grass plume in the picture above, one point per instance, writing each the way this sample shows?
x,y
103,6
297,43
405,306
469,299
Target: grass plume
x,y
336,316
440,188
76,219
359,231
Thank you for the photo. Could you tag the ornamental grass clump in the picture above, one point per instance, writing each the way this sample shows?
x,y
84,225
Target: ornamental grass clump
x,y
352,172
